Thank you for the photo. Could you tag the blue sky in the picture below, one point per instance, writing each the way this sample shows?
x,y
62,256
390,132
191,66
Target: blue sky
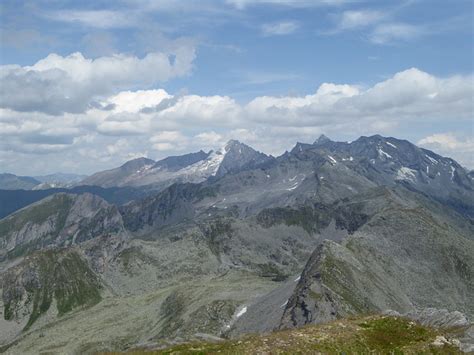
x,y
267,72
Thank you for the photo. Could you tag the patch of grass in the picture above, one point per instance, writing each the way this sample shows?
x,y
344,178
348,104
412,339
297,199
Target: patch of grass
x,y
272,271
338,277
172,310
390,333
129,258
49,274
216,232
374,334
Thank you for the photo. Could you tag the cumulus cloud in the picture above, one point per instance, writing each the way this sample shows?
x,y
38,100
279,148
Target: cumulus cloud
x,y
156,121
58,84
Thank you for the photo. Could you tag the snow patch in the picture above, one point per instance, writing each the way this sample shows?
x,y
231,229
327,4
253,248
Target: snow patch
x,y
334,161
207,167
392,145
434,161
452,172
298,278
382,153
293,187
405,173
284,304
241,312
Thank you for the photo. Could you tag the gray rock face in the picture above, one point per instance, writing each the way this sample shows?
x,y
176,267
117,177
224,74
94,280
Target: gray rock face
x,y
176,163
390,161
400,259
240,156
435,317
58,220
117,176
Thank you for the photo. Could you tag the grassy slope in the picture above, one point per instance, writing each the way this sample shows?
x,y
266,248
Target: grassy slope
x,y
372,334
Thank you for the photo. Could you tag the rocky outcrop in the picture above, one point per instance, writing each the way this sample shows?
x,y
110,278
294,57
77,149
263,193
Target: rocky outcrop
x,y
400,259
58,220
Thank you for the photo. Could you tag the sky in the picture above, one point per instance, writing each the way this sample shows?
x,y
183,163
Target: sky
x,y
88,85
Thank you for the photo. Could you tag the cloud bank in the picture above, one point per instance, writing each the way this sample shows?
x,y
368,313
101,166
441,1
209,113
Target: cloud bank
x,y
76,111
57,84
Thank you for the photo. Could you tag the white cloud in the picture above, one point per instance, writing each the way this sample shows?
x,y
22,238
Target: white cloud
x,y
279,28
136,122
461,149
103,19
242,4
357,19
58,84
393,32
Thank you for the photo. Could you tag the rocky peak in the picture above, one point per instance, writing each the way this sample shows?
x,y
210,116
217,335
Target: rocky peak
x,y
321,140
238,155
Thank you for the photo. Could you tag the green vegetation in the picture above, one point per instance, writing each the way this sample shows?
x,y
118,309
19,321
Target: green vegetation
x,y
305,217
56,209
272,271
315,218
212,317
374,334
172,310
50,274
216,232
132,256
207,191
338,277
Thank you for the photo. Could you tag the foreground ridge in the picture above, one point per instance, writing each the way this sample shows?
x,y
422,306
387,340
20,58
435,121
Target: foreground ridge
x,y
370,334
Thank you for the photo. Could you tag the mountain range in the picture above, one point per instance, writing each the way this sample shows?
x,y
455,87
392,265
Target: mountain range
x,y
234,241
14,182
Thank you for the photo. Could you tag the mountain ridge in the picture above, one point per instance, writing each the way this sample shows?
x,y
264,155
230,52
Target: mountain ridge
x,y
327,230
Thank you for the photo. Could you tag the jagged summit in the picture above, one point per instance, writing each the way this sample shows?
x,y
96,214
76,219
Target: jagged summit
x,y
233,143
237,156
322,139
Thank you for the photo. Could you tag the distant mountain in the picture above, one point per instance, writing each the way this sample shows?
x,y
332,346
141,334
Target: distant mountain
x,y
176,163
60,179
390,161
238,156
57,180
118,176
14,182
193,167
13,200
59,220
